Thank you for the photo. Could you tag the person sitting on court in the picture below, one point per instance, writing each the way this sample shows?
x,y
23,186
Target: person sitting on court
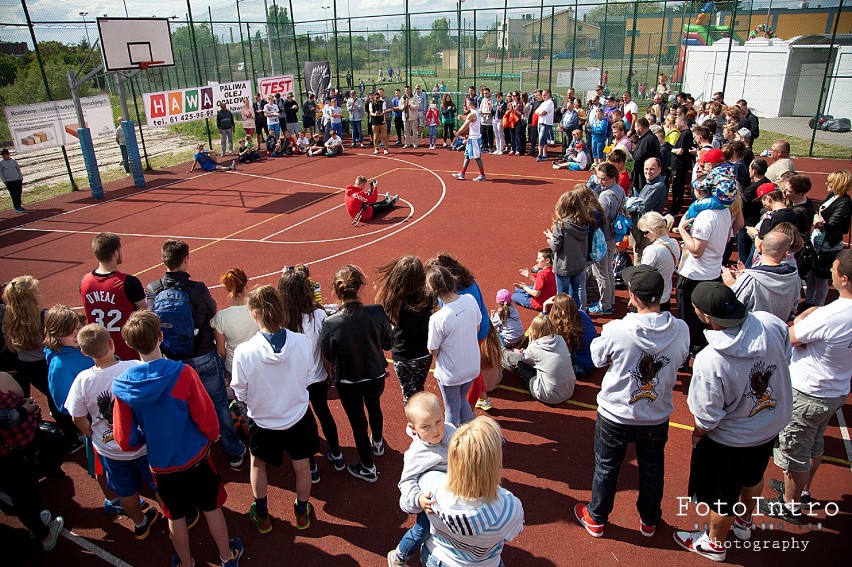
x,y
575,160
246,152
316,148
334,145
271,142
360,198
303,143
207,161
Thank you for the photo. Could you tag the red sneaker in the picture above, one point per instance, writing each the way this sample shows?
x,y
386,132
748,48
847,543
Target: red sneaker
x,y
647,530
581,511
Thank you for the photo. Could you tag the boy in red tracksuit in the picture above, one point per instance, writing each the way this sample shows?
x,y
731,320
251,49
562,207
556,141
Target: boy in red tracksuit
x,y
359,197
162,402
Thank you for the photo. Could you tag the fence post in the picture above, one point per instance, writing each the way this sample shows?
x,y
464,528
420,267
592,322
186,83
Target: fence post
x,y
47,88
228,51
458,49
574,42
262,63
503,43
278,37
215,49
632,46
825,75
296,48
242,43
474,47
730,45
336,47
197,67
351,63
552,27
662,31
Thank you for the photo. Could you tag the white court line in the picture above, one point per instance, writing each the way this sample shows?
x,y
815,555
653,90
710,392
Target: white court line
x,y
248,240
284,180
83,208
82,542
844,432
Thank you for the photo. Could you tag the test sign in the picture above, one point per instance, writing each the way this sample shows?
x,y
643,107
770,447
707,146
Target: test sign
x,y
270,86
185,105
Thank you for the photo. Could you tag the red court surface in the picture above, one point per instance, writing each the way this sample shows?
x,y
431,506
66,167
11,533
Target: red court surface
x,y
280,212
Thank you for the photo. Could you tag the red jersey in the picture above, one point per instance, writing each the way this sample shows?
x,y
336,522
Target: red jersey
x,y
545,282
106,301
624,181
355,198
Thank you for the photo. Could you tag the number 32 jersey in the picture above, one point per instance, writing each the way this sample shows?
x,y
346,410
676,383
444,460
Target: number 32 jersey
x,y
108,299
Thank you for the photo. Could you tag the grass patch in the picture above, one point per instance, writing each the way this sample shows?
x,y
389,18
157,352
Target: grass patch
x,y
800,146
44,191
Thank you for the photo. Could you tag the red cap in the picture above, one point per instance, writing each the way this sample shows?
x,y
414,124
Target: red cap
x,y
765,189
713,156
580,146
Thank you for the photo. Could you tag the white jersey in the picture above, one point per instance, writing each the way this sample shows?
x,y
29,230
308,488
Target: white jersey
x,y
473,132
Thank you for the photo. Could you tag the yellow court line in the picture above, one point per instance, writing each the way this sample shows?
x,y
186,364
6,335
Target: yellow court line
x,y
226,237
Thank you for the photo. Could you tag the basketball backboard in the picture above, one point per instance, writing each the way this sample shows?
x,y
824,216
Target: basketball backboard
x,y
127,42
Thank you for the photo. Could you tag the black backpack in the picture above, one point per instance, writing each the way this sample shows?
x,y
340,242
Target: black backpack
x,y
806,258
622,260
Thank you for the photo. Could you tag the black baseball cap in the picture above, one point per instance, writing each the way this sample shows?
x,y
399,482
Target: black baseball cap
x,y
719,302
645,282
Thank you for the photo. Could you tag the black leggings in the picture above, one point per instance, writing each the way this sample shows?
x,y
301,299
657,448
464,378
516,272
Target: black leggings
x,y
354,398
318,393
34,373
19,480
686,311
448,132
15,190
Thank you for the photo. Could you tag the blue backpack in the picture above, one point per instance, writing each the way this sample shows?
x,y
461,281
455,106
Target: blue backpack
x,y
172,306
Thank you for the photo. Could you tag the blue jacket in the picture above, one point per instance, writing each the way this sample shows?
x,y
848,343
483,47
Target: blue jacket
x,y
163,403
62,369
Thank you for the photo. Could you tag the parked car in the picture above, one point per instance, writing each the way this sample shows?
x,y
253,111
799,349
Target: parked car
x,y
564,55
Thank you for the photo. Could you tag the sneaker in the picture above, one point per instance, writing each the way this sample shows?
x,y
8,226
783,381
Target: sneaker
x,y
539,158
700,543
647,530
459,176
236,546
484,405
742,528
378,447
339,465
360,471
394,200
113,508
237,462
806,500
581,511
598,309
45,517
777,508
315,475
233,165
263,525
405,146
394,560
375,152
192,519
55,528
20,210
386,152
445,144
480,177
303,521
143,531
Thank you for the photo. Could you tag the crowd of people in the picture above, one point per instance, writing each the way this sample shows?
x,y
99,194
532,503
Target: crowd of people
x,y
767,370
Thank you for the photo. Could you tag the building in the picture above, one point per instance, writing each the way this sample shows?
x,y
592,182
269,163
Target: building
x,y
559,28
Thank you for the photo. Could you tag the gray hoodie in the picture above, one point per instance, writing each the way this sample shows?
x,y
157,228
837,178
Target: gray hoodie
x,y
644,352
611,199
740,389
554,380
420,458
774,290
570,246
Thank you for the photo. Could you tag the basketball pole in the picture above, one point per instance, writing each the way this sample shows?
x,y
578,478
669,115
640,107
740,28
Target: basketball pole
x,y
84,134
129,128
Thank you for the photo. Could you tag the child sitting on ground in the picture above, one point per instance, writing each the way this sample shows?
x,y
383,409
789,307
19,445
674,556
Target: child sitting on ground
x,y
90,404
428,452
544,286
576,327
303,143
288,143
278,150
576,159
458,144
246,152
271,142
165,401
507,320
317,148
545,365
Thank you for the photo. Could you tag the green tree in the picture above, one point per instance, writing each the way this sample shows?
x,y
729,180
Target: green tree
x,y
279,22
8,69
617,8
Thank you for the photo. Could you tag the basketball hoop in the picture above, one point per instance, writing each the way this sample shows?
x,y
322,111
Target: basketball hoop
x,y
143,65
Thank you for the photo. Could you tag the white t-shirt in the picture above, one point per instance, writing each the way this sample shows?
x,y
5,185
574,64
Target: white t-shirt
x,y
663,254
714,227
237,325
545,113
452,332
632,108
271,112
474,132
311,328
822,367
91,394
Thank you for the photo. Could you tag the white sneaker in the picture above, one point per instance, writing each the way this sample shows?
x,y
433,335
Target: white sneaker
x,y
55,529
386,152
459,176
700,543
742,528
375,152
480,178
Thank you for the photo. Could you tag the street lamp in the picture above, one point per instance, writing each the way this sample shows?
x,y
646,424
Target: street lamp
x,y
86,26
325,37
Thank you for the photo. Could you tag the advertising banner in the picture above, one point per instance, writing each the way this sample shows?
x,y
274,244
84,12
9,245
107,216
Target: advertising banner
x,y
271,86
50,124
185,105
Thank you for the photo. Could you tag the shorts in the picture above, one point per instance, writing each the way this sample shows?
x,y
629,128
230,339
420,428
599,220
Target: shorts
x,y
802,438
196,488
545,134
309,122
125,477
300,441
473,148
718,473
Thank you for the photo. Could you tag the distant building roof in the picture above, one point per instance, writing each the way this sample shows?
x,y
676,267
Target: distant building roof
x,y
14,48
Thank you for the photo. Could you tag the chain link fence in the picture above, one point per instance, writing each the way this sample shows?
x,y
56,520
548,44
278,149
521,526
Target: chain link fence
x,y
556,45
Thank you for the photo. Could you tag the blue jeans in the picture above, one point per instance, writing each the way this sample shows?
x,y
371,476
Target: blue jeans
x,y
275,128
429,560
455,403
611,440
433,135
522,298
575,286
414,538
125,158
337,127
212,374
745,247
357,135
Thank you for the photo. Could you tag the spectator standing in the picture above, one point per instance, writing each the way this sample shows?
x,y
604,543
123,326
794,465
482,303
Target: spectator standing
x,y
291,114
233,325
10,173
545,112
831,223
122,145
261,130
780,152
569,242
661,252
270,110
611,198
225,124
648,146
355,107
247,117
748,120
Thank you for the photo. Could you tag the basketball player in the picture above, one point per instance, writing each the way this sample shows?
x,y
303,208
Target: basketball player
x,y
473,147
